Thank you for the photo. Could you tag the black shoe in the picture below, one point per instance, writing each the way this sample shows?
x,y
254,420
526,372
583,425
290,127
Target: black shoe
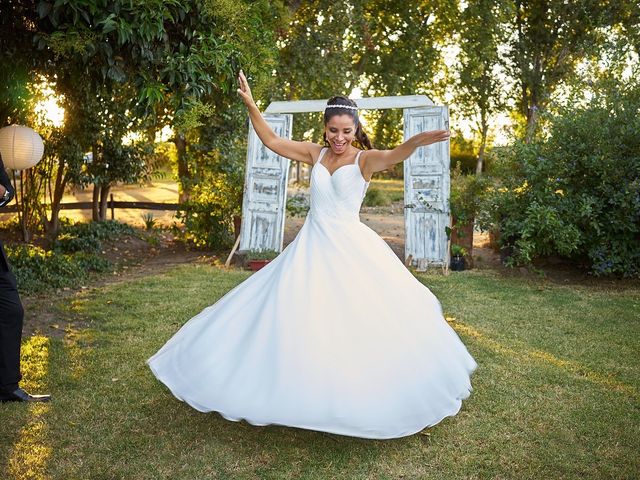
x,y
19,395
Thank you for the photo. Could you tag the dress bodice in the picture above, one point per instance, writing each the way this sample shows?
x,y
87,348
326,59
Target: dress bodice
x,y
338,195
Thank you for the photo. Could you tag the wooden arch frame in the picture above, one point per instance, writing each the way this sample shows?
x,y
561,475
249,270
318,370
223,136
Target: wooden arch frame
x,y
426,180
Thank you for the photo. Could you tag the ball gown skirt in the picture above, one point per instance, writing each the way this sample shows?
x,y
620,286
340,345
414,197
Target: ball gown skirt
x,y
333,335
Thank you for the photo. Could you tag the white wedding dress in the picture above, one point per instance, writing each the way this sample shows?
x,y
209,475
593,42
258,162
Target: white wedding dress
x,y
333,335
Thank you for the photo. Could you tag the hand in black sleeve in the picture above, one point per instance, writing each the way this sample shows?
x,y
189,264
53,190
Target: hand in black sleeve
x,y
6,183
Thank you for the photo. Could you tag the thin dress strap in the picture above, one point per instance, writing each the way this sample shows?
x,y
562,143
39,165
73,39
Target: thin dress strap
x,y
322,152
358,157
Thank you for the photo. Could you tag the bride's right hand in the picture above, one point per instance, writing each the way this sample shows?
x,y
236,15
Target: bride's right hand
x,y
244,90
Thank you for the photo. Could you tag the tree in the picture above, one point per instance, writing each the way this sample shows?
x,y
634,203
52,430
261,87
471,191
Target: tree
x,y
479,88
385,47
175,54
547,41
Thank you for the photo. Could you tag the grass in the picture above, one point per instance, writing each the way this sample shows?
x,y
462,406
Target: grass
x,y
556,394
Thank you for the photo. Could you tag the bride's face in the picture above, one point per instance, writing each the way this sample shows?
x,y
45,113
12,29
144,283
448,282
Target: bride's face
x,y
340,131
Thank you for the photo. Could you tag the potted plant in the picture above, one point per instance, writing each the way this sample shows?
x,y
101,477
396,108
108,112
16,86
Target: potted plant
x,y
256,259
466,194
458,253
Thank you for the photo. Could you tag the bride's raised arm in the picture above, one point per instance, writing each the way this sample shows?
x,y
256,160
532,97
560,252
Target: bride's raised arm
x,y
379,160
304,152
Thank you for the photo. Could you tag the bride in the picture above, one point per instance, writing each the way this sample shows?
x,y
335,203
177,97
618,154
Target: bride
x,y
334,334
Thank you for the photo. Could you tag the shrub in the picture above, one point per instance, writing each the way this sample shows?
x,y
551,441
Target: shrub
x,y
466,193
375,198
74,256
577,193
88,237
298,205
208,214
37,270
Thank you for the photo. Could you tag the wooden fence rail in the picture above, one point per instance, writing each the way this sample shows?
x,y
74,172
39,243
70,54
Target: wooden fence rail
x,y
111,205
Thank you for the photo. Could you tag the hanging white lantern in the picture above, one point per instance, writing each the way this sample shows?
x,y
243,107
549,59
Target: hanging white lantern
x,y
20,147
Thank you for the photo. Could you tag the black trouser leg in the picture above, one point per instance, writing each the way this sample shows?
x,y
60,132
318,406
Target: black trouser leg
x,y
11,317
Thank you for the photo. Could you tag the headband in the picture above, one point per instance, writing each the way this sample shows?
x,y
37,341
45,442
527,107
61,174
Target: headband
x,y
341,106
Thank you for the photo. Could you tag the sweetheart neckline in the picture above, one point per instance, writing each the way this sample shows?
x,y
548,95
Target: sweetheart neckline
x,y
343,166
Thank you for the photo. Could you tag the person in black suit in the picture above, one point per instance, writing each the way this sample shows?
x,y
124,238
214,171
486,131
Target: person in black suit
x,y
11,315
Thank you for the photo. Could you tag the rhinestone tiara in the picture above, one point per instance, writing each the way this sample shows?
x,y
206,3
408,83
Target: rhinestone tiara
x,y
341,106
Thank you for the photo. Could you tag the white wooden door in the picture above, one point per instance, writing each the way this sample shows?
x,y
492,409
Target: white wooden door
x,y
426,188
265,190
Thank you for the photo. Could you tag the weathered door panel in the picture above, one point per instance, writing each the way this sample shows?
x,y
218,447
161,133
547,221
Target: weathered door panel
x,y
426,188
265,190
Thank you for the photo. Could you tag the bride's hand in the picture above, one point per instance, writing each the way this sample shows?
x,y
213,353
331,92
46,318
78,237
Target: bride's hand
x,y
244,90
432,136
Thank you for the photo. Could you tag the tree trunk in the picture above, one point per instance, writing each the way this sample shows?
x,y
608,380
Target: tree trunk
x,y
52,225
483,145
95,212
104,198
95,203
532,123
184,175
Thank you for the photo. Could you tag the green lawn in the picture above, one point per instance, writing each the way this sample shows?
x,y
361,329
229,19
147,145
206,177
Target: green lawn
x,y
556,394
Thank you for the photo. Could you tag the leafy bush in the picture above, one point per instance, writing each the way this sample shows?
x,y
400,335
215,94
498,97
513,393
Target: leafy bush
x,y
88,237
298,205
466,193
208,214
75,254
37,270
458,250
375,198
577,193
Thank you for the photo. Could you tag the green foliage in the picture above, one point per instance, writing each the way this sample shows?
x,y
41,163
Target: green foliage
x,y
149,221
208,214
458,250
466,195
88,237
298,205
386,48
375,198
194,116
577,193
478,91
74,256
38,270
462,151
117,162
261,255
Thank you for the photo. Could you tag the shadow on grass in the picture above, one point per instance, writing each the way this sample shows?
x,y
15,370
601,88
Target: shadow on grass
x,y
26,449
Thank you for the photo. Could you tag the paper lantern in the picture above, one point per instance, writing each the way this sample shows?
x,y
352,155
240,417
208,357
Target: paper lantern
x,y
20,147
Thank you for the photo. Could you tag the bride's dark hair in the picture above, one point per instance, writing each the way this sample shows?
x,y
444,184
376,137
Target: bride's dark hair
x,y
361,137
